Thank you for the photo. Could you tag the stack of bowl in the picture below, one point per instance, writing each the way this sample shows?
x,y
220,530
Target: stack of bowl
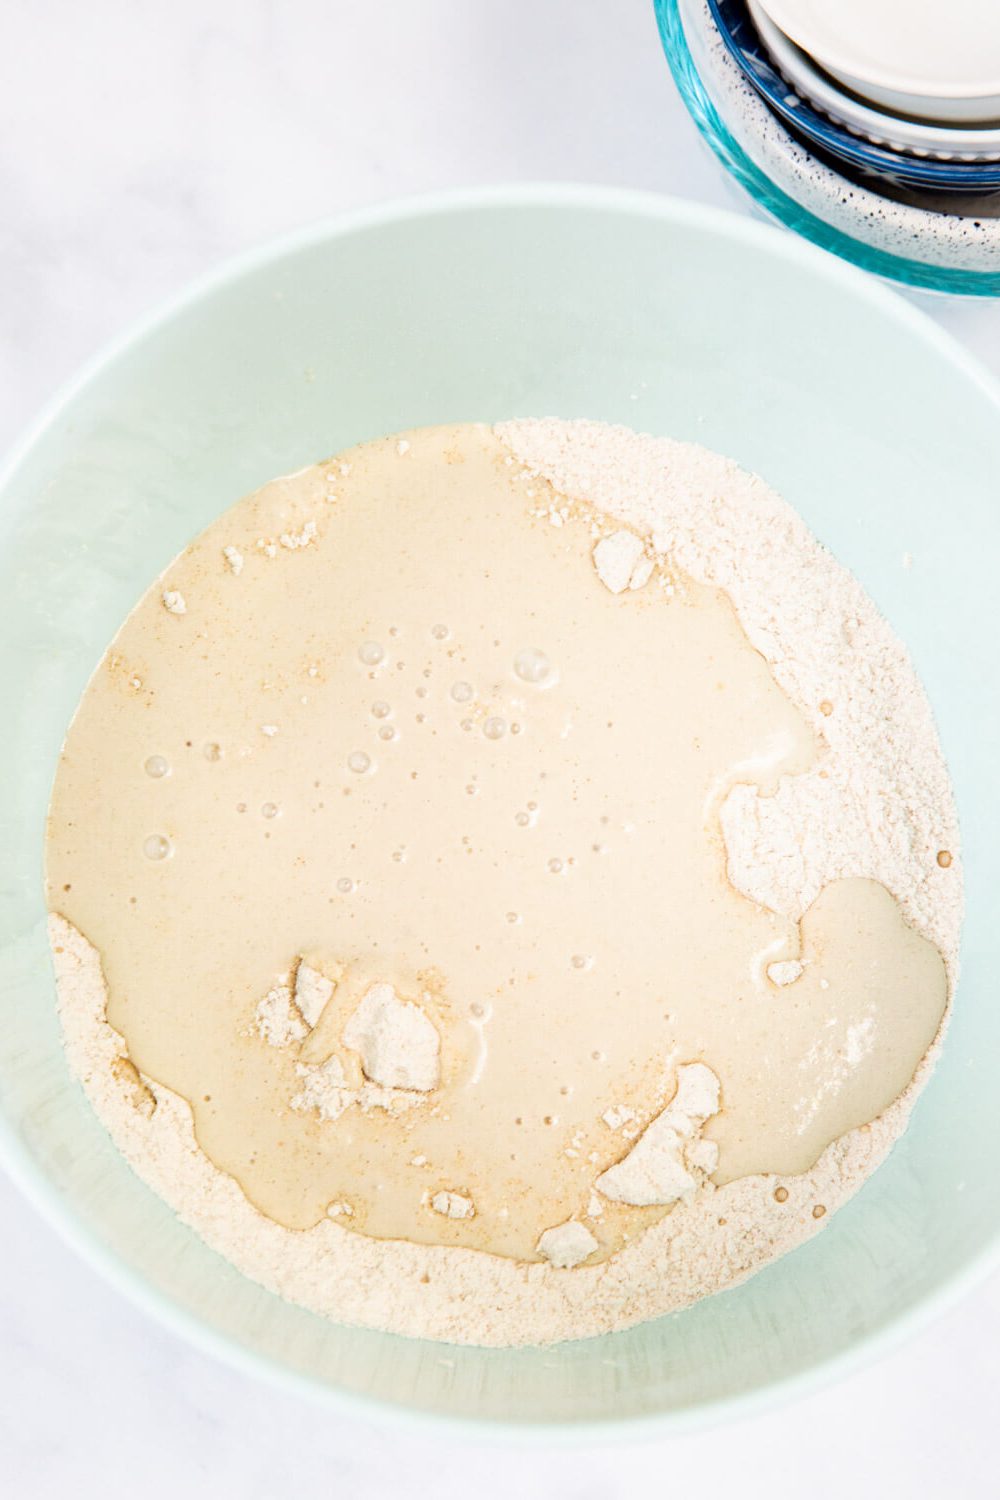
x,y
872,126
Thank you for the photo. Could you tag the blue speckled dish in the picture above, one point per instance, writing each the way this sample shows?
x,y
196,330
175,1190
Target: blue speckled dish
x,y
744,42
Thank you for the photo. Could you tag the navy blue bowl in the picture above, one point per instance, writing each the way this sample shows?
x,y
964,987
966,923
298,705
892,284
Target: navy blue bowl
x,y
744,43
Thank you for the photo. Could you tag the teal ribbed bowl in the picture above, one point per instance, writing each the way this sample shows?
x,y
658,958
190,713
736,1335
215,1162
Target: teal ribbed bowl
x,y
545,301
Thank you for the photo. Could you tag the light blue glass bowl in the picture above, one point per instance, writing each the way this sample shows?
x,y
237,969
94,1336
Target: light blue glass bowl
x,y
562,301
853,219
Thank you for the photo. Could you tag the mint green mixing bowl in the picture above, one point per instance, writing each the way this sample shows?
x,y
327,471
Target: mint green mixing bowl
x,y
527,301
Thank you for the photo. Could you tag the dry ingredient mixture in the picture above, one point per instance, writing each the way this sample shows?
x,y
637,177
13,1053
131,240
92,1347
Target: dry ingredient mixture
x,y
505,883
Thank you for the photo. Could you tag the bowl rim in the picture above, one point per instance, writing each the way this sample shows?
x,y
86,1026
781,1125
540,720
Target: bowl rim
x,y
15,1157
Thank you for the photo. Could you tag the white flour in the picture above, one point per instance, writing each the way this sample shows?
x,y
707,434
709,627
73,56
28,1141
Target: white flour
x,y
398,1045
621,563
453,1205
278,1021
878,805
669,1159
312,991
567,1244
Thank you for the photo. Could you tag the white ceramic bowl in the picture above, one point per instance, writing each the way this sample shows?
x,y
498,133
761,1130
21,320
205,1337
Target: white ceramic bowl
x,y
946,143
935,59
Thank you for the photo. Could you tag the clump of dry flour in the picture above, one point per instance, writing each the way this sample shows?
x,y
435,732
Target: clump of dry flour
x,y
877,804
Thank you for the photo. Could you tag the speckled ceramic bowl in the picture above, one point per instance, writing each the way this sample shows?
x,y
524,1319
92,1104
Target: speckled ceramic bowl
x,y
571,301
943,241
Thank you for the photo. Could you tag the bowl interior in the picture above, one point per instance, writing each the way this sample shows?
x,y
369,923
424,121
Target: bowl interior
x,y
559,302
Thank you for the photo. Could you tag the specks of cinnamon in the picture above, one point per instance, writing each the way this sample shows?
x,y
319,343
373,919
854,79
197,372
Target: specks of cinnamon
x,y
123,672
781,1195
128,1075
944,858
819,1211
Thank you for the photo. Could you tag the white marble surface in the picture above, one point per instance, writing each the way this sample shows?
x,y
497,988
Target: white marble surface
x,y
140,144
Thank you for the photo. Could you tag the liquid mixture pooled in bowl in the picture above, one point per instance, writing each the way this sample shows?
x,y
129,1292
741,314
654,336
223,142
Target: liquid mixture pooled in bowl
x,y
504,882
